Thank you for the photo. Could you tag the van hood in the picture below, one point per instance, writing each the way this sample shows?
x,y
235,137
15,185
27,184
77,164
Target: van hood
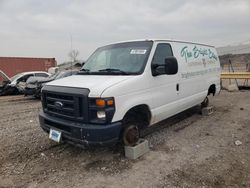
x,y
95,83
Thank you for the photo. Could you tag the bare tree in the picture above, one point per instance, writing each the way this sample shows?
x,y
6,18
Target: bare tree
x,y
73,54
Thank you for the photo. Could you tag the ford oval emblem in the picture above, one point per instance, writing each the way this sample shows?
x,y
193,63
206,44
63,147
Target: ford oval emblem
x,y
58,104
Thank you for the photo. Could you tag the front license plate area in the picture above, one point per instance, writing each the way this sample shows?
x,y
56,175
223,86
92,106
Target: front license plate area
x,y
55,135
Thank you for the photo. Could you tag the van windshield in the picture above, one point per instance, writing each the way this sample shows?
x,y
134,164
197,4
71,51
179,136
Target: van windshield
x,y
118,59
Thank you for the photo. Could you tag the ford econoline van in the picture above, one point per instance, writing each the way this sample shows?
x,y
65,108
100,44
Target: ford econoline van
x,y
126,87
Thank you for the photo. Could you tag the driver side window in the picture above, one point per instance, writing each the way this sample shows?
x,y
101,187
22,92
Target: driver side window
x,y
24,78
161,53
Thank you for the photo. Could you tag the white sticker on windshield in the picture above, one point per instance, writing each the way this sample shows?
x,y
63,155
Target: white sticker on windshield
x,y
138,51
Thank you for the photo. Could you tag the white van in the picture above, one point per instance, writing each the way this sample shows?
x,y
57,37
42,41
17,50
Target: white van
x,y
125,87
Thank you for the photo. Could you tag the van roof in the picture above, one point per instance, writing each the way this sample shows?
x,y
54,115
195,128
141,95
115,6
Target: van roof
x,y
165,40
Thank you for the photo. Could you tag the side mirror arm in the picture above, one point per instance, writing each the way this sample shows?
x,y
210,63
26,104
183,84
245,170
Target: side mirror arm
x,y
154,69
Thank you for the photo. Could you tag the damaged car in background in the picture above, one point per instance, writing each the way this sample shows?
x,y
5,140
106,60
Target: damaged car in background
x,y
16,84
4,81
34,84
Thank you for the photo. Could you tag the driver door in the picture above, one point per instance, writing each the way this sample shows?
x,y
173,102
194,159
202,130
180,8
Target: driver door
x,y
165,88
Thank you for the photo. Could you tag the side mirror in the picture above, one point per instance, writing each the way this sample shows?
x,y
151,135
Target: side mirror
x,y
171,65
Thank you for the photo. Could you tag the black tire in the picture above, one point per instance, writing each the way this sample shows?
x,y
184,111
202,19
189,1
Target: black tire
x,y
205,103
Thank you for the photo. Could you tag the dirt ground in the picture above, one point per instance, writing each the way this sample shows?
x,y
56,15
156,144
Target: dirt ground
x,y
194,151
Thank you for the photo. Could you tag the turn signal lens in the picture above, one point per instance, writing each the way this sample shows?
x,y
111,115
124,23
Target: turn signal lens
x,y
110,102
104,102
100,102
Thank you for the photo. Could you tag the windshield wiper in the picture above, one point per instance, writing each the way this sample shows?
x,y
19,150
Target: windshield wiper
x,y
85,70
114,71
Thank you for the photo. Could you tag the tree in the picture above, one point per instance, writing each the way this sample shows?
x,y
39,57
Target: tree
x,y
73,54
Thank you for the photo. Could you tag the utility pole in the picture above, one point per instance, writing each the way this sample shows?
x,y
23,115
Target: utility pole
x,y
71,52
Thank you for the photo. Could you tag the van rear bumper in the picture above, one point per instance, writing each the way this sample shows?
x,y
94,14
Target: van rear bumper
x,y
81,133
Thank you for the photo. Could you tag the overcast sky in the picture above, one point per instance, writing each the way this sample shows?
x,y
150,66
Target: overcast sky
x,y
43,28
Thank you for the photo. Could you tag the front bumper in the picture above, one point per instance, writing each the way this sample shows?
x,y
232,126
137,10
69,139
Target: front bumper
x,y
30,91
82,133
36,91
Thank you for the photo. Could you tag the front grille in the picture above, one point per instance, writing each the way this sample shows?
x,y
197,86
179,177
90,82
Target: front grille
x,y
71,105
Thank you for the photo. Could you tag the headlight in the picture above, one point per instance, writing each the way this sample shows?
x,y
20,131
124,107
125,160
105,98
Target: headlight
x,y
101,110
101,115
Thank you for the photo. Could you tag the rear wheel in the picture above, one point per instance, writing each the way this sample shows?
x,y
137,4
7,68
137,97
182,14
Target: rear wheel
x,y
205,103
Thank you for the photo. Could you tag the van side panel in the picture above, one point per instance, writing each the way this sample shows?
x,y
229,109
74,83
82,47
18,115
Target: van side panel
x,y
199,68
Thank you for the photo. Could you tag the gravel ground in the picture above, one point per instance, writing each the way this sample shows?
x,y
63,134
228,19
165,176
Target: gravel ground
x,y
189,150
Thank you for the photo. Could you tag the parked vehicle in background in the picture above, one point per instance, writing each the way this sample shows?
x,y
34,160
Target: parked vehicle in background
x,y
4,80
16,84
53,70
126,87
34,84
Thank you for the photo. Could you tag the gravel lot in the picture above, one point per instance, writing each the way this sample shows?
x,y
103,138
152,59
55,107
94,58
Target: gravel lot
x,y
189,150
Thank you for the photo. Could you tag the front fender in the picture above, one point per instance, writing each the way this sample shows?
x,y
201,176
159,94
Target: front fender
x,y
126,102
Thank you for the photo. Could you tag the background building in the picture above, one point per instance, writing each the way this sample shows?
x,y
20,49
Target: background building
x,y
14,65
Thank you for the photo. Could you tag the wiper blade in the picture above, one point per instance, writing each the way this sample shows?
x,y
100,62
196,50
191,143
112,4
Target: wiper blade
x,y
114,70
85,70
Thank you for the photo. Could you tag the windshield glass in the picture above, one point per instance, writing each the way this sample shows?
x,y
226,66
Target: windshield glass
x,y
60,75
52,76
123,58
57,75
16,76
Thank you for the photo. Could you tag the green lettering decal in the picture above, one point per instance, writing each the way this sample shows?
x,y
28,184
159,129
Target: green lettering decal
x,y
196,53
185,53
211,55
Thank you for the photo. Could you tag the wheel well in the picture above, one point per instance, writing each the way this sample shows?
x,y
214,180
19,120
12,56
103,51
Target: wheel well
x,y
140,113
211,90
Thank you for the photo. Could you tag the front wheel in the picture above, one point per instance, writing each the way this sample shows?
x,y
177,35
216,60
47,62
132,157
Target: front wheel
x,y
130,135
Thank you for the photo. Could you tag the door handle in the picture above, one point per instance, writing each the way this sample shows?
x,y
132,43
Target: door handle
x,y
177,88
